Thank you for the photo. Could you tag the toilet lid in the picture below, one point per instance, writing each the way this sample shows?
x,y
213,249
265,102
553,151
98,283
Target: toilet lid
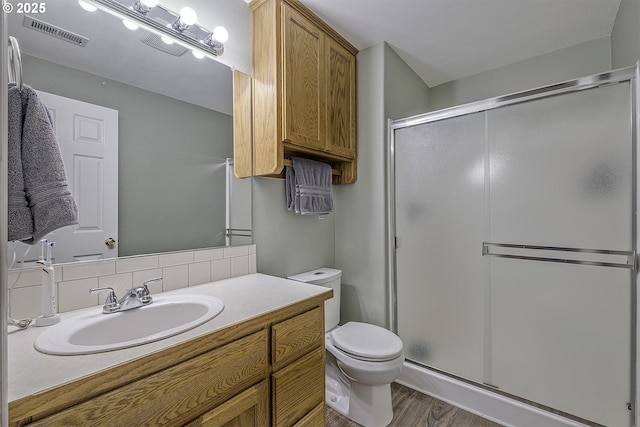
x,y
366,341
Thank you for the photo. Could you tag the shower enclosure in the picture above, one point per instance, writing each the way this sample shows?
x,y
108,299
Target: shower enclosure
x,y
514,230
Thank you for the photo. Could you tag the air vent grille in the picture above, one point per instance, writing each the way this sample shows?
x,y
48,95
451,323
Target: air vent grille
x,y
155,41
54,31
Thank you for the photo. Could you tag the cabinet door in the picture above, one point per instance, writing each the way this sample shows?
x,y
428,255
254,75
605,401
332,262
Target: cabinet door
x,y
295,337
249,408
341,100
177,394
298,388
303,76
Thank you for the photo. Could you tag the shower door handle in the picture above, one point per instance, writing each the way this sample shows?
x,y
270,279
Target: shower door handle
x,y
597,257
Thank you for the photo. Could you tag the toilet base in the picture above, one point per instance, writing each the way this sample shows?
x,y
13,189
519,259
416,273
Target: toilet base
x,y
368,405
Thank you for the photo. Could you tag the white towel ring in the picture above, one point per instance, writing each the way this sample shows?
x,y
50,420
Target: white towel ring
x,y
15,63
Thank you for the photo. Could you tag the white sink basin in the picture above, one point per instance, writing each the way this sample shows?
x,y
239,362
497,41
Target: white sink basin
x,y
96,332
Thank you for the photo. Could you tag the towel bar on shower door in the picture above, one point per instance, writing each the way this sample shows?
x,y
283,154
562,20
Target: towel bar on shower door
x,y
597,257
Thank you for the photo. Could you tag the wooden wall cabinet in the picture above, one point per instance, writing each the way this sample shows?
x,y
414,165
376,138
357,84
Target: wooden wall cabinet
x,y
267,371
303,91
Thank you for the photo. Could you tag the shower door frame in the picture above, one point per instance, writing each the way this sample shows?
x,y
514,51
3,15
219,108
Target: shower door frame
x,y
630,74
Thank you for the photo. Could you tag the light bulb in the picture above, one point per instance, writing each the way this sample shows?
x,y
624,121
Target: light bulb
x,y
166,40
149,3
188,16
144,6
197,54
86,6
220,34
130,24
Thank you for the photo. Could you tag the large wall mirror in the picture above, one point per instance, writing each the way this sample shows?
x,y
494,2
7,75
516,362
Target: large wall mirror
x,y
175,186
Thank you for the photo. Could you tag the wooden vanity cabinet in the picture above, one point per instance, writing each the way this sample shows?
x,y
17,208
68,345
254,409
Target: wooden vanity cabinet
x,y
268,370
249,408
297,357
304,90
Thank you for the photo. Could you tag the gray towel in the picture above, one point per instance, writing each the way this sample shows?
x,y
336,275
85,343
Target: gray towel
x,y
308,187
39,197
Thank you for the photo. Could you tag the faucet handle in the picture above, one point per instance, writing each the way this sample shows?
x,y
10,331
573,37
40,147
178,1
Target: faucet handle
x,y
157,279
112,303
143,290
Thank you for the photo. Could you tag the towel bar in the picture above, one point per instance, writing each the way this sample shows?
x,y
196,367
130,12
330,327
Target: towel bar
x,y
15,63
336,172
241,232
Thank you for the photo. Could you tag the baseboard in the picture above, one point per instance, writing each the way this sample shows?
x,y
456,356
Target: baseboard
x,y
489,405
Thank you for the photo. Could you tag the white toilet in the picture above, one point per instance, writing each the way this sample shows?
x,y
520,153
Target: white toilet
x,y
362,359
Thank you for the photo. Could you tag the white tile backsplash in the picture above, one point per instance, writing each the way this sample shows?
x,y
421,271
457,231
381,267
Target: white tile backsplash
x,y
28,277
119,282
177,258
26,302
178,270
139,277
236,251
239,266
128,265
86,269
199,273
220,269
74,294
175,277
209,254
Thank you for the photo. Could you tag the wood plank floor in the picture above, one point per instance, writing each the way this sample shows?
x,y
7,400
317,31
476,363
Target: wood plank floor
x,y
413,409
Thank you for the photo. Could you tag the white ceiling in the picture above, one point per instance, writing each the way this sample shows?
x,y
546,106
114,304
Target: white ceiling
x,y
442,40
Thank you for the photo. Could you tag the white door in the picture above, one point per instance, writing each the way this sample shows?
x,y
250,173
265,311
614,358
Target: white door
x,y
88,139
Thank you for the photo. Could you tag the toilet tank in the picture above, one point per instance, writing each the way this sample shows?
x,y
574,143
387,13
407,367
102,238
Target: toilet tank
x,y
329,278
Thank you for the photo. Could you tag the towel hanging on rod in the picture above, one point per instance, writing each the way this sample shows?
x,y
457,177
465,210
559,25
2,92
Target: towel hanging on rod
x,y
14,64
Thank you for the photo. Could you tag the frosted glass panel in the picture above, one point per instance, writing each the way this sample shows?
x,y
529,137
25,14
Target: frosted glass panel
x,y
557,171
561,175
439,223
561,170
561,336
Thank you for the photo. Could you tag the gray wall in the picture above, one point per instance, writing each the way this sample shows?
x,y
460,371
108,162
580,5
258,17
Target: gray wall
x,y
288,243
170,152
565,64
625,37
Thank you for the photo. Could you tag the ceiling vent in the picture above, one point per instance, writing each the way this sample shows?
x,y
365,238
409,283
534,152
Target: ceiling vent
x,y
155,41
54,31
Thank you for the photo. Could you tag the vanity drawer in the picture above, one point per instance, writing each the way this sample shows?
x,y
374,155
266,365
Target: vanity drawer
x,y
298,388
177,394
248,409
317,417
295,337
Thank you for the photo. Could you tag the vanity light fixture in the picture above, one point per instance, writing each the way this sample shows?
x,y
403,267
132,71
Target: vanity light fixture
x,y
181,27
186,19
130,24
144,6
86,6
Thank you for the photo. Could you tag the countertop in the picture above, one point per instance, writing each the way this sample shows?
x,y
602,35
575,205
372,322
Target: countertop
x,y
244,297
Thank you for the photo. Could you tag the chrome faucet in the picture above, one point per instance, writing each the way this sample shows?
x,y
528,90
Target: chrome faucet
x,y
133,298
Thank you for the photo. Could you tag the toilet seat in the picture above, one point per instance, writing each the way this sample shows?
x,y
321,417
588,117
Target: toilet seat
x,y
367,342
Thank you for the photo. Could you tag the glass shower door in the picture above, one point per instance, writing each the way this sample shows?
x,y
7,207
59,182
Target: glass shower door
x,y
550,176
561,176
439,224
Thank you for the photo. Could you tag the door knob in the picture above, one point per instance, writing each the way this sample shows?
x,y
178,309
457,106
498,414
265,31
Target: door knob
x,y
110,241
